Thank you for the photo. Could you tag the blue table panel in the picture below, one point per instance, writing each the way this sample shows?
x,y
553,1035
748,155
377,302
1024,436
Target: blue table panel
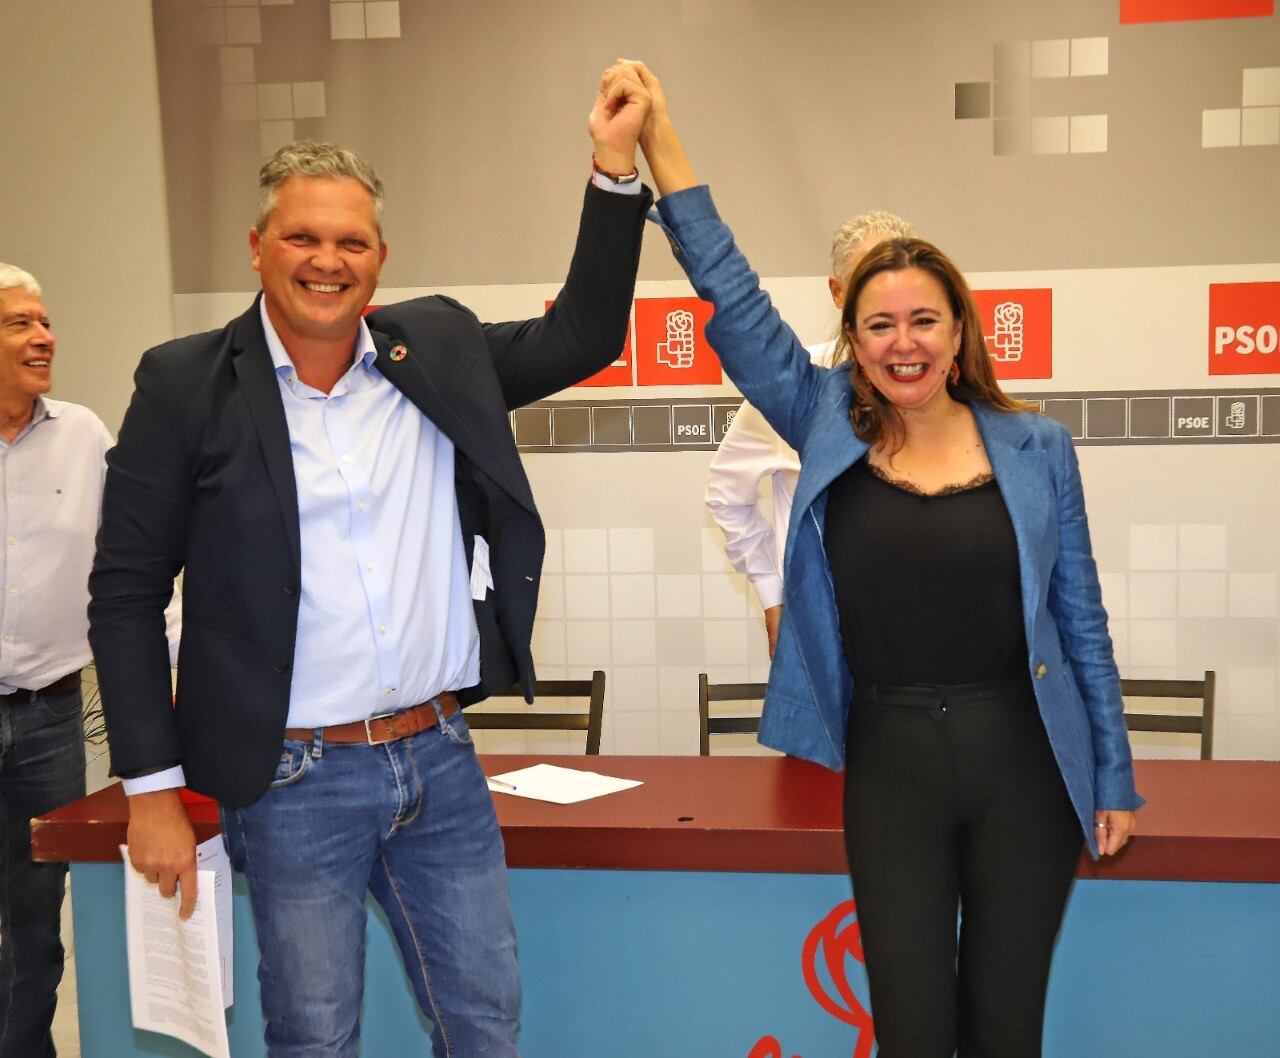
x,y
648,964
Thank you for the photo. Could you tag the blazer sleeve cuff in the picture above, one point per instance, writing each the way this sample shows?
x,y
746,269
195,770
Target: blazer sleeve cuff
x,y
1117,792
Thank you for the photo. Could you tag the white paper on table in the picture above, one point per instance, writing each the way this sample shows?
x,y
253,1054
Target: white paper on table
x,y
561,786
175,973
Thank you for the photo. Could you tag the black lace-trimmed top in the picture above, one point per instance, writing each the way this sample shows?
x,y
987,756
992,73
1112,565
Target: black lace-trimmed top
x,y
927,584
946,490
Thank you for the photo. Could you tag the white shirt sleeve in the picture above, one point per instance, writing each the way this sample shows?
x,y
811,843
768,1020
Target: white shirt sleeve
x,y
604,183
750,452
169,779
173,624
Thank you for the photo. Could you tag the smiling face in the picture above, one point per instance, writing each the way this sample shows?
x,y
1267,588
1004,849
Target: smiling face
x,y
26,346
906,337
319,255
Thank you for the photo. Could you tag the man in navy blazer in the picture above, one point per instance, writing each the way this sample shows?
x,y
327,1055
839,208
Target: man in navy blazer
x,y
361,556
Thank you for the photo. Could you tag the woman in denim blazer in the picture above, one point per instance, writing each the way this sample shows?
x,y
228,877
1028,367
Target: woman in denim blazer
x,y
1069,665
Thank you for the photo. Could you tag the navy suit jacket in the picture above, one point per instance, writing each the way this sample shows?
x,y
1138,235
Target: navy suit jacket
x,y
202,481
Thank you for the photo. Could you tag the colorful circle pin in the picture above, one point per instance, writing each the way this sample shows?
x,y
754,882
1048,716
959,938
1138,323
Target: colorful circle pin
x,y
398,353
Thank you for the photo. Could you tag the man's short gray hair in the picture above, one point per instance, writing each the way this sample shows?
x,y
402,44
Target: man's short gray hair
x,y
852,235
310,158
12,276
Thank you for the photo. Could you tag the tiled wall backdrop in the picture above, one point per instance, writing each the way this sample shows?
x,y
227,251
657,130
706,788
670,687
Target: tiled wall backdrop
x,y
1121,158
1186,531
637,584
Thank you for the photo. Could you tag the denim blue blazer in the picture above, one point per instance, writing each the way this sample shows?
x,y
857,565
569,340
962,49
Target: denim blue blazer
x,y
1069,659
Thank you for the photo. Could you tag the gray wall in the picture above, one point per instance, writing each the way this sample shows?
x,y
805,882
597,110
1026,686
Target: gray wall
x,y
82,173
796,113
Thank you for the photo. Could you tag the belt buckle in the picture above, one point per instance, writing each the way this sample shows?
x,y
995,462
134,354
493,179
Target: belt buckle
x,y
369,734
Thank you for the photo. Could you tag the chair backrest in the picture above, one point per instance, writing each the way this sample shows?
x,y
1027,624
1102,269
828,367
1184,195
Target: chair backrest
x,y
531,720
709,725
1191,723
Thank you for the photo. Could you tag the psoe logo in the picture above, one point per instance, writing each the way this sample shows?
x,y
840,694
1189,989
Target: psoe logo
x,y
671,343
1244,328
1018,327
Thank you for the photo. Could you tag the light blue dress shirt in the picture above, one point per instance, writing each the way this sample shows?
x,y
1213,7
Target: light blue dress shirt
x,y
385,619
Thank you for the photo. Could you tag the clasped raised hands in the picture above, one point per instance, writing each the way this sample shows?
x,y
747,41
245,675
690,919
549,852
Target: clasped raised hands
x,y
619,117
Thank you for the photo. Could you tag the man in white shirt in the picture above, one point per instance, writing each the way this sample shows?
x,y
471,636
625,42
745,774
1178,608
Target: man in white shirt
x,y
51,467
752,453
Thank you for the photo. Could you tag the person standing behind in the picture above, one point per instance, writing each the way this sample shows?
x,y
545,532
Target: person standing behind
x,y
752,452
362,555
51,471
944,640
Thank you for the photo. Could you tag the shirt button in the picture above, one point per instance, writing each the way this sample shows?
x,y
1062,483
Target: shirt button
x,y
1041,669
346,458
388,692
360,505
13,591
12,542
382,629
369,566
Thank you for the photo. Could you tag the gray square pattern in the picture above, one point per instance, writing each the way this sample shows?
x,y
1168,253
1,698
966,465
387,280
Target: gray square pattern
x,y
611,426
973,100
652,424
1223,417
1105,417
1149,416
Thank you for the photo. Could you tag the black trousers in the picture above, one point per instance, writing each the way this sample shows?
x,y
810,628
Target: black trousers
x,y
953,801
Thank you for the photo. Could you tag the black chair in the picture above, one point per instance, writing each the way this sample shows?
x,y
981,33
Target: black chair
x,y
709,725
531,720
1200,723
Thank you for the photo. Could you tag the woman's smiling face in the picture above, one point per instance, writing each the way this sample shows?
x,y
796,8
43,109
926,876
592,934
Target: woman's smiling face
x,y
906,337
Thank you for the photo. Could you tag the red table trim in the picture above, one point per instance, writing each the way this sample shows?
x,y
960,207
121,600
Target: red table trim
x,y
1204,821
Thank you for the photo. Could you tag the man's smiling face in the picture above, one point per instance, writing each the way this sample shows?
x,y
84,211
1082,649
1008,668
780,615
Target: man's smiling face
x,y
26,345
319,256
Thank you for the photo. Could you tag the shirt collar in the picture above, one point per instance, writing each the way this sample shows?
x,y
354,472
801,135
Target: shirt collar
x,y
365,351
41,411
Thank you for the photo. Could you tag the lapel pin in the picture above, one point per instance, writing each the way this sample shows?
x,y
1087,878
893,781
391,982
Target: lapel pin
x,y
398,353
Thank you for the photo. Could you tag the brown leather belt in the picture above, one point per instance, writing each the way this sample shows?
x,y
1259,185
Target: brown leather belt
x,y
385,728
69,682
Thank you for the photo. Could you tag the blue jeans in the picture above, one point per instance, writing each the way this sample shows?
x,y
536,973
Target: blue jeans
x,y
41,768
412,822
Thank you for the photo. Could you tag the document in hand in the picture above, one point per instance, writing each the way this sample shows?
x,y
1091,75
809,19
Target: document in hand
x,y
180,972
561,786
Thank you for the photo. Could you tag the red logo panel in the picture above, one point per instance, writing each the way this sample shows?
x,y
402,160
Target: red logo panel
x,y
671,343
1134,11
1244,328
1018,327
